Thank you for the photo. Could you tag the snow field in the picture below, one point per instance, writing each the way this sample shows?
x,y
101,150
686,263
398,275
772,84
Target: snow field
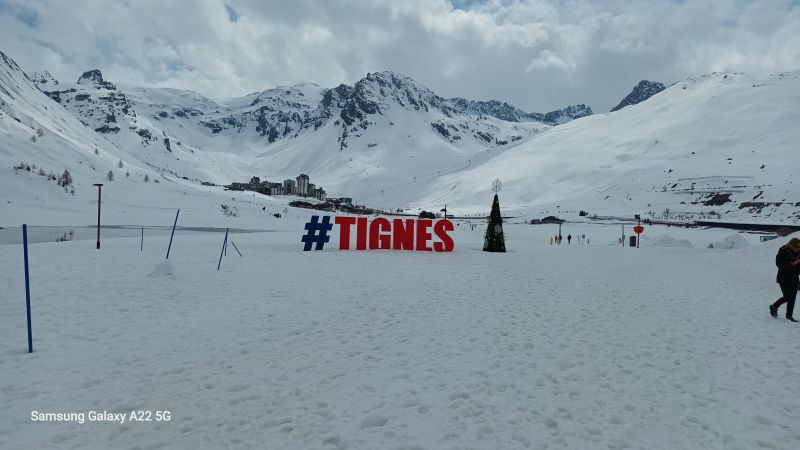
x,y
544,347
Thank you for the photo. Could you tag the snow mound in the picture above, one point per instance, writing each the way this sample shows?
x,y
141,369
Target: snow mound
x,y
732,241
666,240
163,270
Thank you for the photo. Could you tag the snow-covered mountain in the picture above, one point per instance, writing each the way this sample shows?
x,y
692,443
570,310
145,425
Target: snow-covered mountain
x,y
113,113
152,123
718,146
716,143
42,140
510,113
641,92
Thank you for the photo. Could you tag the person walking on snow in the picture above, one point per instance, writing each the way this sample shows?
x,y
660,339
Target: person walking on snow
x,y
569,238
788,262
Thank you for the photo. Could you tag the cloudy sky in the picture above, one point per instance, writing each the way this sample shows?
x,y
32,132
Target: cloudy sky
x,y
538,55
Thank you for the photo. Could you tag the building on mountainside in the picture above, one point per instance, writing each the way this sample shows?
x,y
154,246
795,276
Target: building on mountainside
x,y
274,189
552,219
302,185
289,187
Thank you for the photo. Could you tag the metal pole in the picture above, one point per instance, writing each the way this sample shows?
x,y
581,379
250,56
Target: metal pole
x,y
224,244
638,224
173,232
141,246
99,200
27,286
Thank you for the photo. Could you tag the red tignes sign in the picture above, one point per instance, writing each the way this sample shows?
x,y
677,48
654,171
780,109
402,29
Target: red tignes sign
x,y
398,234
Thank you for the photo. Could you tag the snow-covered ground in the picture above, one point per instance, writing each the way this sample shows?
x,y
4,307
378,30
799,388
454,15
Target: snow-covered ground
x,y
557,347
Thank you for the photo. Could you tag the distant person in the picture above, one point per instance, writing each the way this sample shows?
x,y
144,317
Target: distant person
x,y
788,262
569,238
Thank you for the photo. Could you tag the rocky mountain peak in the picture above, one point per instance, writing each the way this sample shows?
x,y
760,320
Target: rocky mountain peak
x,y
8,62
641,92
510,113
494,108
95,78
567,114
379,92
43,79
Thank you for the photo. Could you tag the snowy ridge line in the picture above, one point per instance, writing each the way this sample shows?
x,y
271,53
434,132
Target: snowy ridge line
x,y
717,191
729,177
710,223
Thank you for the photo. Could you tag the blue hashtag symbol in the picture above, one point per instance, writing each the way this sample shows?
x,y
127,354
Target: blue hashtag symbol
x,y
317,232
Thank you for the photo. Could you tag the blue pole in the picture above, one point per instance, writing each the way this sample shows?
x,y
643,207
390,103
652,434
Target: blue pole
x,y
237,249
27,286
224,244
173,232
141,246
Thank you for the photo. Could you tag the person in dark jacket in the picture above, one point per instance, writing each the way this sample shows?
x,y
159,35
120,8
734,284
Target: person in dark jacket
x,y
788,262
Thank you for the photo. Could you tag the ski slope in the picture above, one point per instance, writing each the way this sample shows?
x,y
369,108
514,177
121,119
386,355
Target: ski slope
x,y
716,134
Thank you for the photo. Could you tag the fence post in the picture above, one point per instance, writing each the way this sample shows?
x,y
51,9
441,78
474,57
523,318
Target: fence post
x,y
173,232
224,244
236,248
27,286
141,246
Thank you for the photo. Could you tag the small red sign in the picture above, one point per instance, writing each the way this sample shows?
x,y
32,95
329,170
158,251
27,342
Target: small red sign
x,y
638,229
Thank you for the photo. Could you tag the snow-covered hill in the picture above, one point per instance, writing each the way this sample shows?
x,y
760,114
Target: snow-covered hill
x,y
719,143
41,140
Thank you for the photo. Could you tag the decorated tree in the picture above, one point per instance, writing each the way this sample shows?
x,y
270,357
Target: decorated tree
x,y
495,241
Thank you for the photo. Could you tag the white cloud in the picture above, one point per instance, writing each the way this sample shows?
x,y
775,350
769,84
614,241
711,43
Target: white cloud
x,y
536,54
547,60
